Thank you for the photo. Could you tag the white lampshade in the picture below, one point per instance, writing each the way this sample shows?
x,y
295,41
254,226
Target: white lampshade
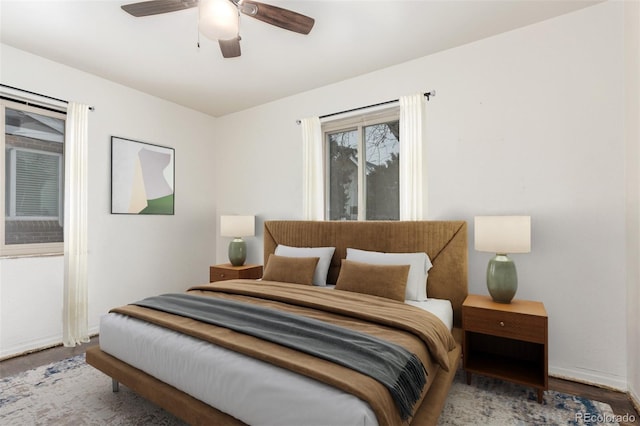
x,y
237,226
503,234
218,19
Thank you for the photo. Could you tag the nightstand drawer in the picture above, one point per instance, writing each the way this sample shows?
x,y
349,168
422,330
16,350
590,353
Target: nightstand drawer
x,y
530,328
222,274
229,272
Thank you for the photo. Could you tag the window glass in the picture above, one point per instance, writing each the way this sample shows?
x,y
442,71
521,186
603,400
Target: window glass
x,y
343,175
383,158
33,175
362,167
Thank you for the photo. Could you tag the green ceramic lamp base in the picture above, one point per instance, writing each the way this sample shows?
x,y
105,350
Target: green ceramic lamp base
x,y
237,252
502,279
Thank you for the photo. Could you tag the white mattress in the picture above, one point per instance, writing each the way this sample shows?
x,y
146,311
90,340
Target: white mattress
x,y
253,391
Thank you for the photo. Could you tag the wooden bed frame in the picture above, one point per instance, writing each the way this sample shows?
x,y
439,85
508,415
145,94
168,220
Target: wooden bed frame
x,y
444,241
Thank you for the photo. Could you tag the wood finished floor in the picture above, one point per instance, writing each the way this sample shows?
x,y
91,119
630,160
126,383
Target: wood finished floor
x,y
620,402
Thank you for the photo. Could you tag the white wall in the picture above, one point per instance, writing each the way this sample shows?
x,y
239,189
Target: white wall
x,y
130,257
530,121
632,82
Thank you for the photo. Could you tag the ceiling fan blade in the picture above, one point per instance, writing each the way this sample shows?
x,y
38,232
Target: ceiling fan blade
x,y
230,48
155,7
274,15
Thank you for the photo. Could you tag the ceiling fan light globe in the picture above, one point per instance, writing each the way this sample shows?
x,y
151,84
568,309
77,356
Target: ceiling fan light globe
x,y
218,19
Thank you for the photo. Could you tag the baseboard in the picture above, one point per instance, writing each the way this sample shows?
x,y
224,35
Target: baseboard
x,y
29,347
590,378
37,345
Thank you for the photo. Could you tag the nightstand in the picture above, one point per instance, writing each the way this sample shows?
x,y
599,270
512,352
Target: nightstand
x,y
506,341
229,272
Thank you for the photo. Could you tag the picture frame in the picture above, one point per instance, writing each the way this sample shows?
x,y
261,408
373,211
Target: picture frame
x,y
142,178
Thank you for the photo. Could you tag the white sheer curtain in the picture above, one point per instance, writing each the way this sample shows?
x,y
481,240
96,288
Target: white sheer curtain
x,y
411,164
75,301
312,173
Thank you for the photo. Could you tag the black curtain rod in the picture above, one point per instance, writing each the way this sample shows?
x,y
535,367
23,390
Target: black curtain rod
x,y
38,94
427,95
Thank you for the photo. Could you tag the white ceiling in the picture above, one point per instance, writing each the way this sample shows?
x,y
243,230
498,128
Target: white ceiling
x,y
159,54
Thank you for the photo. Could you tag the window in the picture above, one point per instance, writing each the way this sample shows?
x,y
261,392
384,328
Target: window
x,y
362,167
33,200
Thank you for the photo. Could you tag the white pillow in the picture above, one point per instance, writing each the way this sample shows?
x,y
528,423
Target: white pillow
x,y
322,268
419,266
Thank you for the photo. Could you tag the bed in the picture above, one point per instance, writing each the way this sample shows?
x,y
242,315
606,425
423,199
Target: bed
x,y
444,242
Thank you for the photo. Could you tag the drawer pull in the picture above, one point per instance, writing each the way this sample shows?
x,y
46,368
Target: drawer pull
x,y
221,275
501,323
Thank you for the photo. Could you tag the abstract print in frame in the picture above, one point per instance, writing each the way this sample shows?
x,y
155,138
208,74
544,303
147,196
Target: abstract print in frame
x,y
142,178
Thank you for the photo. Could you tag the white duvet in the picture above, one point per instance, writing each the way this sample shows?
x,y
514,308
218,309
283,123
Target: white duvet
x,y
253,391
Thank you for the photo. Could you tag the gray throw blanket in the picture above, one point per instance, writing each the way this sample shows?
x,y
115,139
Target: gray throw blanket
x,y
400,371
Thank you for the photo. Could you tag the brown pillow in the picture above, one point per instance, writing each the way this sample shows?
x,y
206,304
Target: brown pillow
x,y
388,281
298,270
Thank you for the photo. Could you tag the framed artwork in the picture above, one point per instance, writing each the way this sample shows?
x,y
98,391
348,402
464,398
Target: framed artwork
x,y
142,178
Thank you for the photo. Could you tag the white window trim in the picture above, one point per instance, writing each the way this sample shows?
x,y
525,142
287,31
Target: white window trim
x,y
20,250
345,124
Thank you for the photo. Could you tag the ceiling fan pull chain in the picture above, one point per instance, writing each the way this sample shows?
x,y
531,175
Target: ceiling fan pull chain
x,y
198,31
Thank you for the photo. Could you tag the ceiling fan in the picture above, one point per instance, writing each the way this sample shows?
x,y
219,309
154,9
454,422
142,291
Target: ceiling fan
x,y
218,19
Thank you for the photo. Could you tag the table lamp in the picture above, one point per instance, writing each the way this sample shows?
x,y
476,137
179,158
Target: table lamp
x,y
502,235
237,227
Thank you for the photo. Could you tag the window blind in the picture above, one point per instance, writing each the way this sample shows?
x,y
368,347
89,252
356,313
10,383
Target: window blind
x,y
36,176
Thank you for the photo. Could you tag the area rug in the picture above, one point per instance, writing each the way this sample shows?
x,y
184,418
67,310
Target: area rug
x,y
70,392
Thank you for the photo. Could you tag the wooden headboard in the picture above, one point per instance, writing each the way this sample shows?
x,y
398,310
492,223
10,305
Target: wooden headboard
x,y
445,242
